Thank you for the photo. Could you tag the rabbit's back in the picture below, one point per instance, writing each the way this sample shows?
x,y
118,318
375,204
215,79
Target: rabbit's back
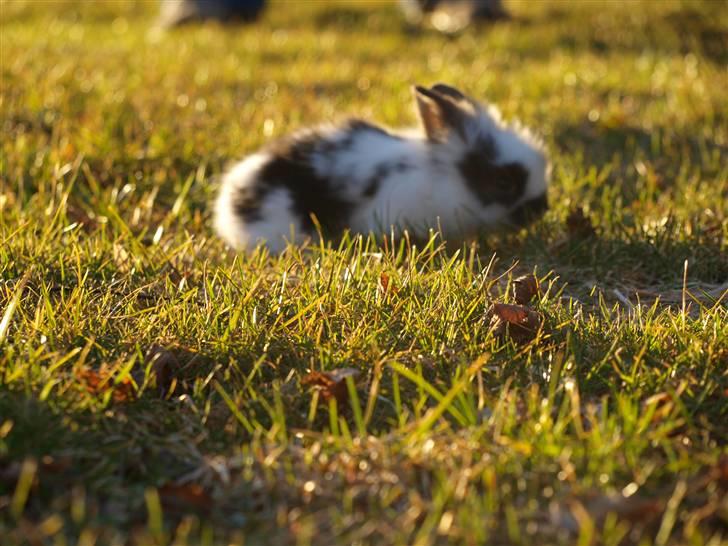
x,y
327,173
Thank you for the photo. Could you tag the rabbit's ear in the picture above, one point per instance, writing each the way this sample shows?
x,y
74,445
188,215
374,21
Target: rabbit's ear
x,y
443,112
451,92
430,115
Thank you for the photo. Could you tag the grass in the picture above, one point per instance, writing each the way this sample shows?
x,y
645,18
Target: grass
x,y
608,428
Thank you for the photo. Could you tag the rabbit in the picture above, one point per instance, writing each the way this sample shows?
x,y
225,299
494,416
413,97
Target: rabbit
x,y
465,171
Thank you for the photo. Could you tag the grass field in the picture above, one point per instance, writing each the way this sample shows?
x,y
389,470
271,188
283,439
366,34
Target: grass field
x,y
156,388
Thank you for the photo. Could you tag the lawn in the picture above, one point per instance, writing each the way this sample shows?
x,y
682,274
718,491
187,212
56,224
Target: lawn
x,y
156,387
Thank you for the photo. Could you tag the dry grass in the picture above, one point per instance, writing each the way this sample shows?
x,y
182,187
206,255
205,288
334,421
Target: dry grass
x,y
155,387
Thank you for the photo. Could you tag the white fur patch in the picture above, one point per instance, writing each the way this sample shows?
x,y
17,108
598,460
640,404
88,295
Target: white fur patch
x,y
278,226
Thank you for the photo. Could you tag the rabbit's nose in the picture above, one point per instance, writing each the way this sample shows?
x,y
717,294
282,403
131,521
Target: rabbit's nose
x,y
529,211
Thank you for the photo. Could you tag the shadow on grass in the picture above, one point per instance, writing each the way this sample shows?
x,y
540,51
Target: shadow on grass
x,y
602,141
107,462
82,12
699,30
341,17
638,258
694,29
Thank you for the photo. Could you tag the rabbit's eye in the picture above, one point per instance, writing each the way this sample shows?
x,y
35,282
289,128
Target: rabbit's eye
x,y
506,193
491,182
508,188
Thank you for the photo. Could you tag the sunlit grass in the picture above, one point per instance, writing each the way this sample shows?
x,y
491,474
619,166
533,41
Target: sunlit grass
x,y
609,427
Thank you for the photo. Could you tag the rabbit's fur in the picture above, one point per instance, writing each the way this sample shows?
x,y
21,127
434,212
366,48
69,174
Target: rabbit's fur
x,y
464,172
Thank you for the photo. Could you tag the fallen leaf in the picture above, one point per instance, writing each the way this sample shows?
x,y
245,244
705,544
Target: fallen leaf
x,y
634,509
525,288
55,465
517,322
385,285
663,405
184,498
9,473
99,381
123,259
331,384
720,472
164,365
593,508
77,214
579,225
47,466
515,314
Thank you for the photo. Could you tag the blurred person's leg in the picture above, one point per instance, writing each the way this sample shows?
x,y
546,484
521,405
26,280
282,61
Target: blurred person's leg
x,y
477,9
489,9
178,12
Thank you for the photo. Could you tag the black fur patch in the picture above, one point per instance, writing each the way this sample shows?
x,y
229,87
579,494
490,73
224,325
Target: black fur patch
x,y
246,204
290,167
350,128
383,172
489,181
372,186
354,125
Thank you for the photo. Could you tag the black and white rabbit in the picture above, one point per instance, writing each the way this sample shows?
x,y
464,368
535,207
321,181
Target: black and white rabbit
x,y
465,172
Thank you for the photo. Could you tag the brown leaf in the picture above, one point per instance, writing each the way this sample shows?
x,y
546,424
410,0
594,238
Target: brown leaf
x,y
518,322
184,498
579,225
385,285
48,465
99,381
525,288
593,508
639,509
77,214
331,384
55,465
9,473
720,472
165,366
515,314
663,403
634,509
123,259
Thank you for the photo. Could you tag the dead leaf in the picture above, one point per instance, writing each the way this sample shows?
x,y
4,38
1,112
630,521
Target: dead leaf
x,y
9,473
515,314
97,382
184,498
636,509
663,403
719,473
55,465
525,288
331,384
385,285
79,215
165,366
123,259
579,225
593,508
518,322
48,465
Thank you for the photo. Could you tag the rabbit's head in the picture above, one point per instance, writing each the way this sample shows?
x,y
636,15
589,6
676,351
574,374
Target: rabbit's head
x,y
504,167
